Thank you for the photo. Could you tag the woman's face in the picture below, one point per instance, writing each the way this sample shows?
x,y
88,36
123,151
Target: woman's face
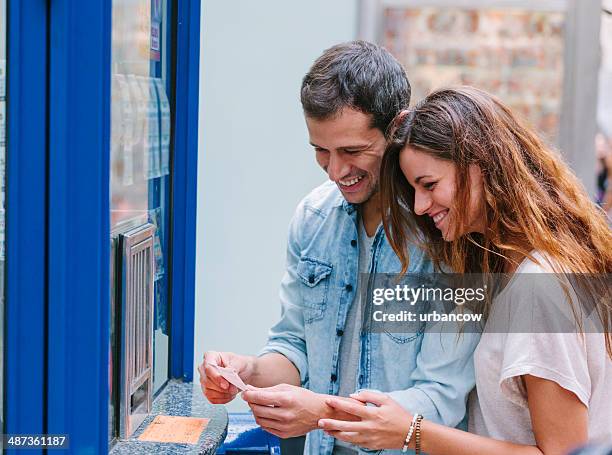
x,y
433,180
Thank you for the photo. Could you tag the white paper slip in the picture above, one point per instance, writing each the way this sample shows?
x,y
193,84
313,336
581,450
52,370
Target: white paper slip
x,y
231,376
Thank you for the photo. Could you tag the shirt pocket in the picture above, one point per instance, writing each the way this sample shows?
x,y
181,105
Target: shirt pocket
x,y
315,276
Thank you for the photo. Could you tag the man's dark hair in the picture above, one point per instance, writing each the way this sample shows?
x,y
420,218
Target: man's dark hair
x,y
359,75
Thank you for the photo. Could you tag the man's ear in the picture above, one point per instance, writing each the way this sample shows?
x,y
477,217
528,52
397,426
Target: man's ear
x,y
395,123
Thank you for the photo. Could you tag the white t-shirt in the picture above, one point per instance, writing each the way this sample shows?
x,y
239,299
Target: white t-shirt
x,y
577,362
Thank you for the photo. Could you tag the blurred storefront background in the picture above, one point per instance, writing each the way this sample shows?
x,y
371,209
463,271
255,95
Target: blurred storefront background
x,y
540,57
515,53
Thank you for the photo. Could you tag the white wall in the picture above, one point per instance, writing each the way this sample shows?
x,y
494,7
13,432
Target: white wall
x,y
255,163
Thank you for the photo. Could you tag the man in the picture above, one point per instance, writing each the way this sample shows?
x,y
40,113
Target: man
x,y
350,96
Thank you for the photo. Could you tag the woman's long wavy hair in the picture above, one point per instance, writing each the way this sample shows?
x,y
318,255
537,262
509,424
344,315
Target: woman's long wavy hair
x,y
532,199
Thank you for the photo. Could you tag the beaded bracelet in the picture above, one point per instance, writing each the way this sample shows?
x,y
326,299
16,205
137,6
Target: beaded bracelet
x,y
417,436
410,431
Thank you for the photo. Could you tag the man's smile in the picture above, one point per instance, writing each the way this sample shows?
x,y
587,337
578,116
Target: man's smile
x,y
352,184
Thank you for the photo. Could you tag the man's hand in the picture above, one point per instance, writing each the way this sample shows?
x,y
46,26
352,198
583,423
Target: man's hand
x,y
215,387
287,411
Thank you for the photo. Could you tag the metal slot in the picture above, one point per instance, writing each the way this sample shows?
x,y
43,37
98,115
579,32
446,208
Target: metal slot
x,y
137,277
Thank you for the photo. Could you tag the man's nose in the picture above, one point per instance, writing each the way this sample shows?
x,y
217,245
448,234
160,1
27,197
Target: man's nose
x,y
422,202
337,167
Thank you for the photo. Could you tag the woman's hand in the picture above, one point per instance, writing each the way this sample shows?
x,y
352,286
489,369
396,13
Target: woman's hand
x,y
383,426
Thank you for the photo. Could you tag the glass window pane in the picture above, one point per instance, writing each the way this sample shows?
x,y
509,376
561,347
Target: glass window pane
x,y
140,156
514,53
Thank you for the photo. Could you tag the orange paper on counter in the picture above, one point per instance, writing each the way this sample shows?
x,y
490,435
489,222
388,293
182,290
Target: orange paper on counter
x,y
179,430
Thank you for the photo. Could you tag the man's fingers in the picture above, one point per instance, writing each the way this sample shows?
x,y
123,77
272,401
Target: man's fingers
x,y
348,407
263,398
270,424
218,401
212,394
218,397
207,382
210,384
201,371
219,384
268,412
211,372
280,388
232,390
215,380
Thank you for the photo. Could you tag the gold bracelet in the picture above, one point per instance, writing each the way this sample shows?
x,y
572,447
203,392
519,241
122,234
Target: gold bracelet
x,y
417,435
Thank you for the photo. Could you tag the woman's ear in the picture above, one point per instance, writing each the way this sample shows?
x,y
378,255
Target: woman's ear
x,y
395,123
401,116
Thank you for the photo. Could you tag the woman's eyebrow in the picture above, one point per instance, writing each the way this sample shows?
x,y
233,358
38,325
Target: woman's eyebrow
x,y
420,177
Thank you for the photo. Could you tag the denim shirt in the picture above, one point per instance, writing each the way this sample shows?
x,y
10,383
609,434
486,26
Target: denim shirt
x,y
428,373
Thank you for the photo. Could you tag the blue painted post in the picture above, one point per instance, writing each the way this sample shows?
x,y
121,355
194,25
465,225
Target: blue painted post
x,y
78,218
25,223
185,188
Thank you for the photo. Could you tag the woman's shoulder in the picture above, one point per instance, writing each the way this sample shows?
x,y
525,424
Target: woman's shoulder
x,y
538,262
536,299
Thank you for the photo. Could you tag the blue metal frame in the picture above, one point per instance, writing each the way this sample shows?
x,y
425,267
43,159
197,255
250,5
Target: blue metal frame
x,y
78,222
25,207
57,278
184,188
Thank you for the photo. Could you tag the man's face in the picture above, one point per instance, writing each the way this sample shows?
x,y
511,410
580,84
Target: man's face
x,y
350,150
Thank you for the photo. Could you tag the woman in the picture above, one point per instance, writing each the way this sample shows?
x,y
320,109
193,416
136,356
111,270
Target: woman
x,y
487,195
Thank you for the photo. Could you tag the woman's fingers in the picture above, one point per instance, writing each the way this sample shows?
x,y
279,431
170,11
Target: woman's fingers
x,y
348,407
340,425
366,396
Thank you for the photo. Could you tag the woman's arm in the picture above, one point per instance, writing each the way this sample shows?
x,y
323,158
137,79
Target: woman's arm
x,y
558,418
